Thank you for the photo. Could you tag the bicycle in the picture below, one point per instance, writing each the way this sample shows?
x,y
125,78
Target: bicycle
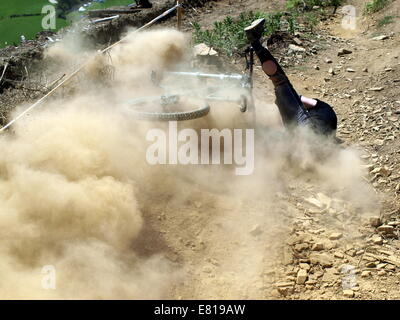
x,y
171,105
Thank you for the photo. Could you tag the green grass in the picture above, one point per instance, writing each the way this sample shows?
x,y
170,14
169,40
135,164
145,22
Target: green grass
x,y
8,8
11,29
375,6
386,20
311,19
309,4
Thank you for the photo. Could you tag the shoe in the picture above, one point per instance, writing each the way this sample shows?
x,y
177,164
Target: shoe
x,y
255,31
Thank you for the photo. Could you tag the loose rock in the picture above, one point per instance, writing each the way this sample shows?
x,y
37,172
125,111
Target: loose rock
x,y
377,240
386,229
203,50
344,51
338,255
375,221
301,276
365,274
322,259
348,293
284,284
297,41
335,236
300,247
304,266
319,246
376,89
381,37
296,48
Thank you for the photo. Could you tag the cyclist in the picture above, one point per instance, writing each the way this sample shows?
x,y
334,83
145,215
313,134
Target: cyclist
x,y
294,109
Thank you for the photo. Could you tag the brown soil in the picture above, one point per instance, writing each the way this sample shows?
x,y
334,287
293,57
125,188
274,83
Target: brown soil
x,y
368,121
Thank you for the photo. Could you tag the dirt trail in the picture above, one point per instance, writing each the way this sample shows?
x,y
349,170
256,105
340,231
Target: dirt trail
x,y
331,242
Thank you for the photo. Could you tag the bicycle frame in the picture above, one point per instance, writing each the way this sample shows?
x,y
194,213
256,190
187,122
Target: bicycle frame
x,y
245,81
173,94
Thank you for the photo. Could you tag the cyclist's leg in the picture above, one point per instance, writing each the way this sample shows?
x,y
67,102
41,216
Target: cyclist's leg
x,y
288,101
320,117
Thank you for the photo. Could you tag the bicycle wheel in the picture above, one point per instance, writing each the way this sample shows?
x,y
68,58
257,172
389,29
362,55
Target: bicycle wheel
x,y
166,108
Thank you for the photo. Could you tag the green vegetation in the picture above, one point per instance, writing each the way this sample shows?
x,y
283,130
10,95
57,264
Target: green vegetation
x,y
228,35
311,19
11,28
386,20
8,8
308,5
375,6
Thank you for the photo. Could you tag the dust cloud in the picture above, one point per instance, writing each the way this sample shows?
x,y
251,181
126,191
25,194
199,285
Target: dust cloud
x,y
76,192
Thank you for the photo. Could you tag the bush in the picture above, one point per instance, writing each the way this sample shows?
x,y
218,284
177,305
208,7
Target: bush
x,y
311,19
309,4
228,35
386,20
375,6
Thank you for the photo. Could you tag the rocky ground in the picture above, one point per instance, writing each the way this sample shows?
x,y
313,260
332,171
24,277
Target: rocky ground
x,y
361,84
357,74
331,252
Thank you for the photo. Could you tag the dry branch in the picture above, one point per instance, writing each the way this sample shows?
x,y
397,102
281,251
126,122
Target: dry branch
x,y
4,71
